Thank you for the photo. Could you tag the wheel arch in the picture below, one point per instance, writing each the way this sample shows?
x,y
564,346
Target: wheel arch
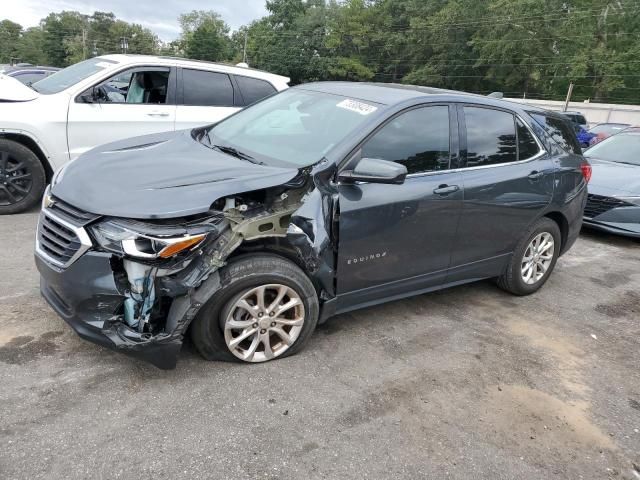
x,y
563,225
275,246
31,144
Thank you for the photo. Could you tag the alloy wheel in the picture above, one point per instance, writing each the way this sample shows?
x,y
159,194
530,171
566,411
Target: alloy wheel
x,y
15,179
537,258
264,322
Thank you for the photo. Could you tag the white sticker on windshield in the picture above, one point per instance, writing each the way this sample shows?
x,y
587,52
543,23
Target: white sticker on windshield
x,y
356,106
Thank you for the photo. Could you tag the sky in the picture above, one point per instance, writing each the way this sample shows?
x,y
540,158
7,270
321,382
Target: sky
x,y
161,16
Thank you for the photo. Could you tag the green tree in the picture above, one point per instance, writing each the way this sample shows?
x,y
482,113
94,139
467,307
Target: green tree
x,y
9,36
205,36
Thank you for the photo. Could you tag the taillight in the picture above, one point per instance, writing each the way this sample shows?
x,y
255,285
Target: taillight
x,y
586,171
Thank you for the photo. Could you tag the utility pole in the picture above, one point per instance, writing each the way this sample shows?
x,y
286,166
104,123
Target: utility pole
x,y
95,49
566,103
124,44
244,53
84,44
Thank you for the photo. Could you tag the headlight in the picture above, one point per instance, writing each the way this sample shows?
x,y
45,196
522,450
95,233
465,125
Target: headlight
x,y
130,238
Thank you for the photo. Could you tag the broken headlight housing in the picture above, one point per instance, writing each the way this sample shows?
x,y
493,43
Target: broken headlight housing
x,y
139,240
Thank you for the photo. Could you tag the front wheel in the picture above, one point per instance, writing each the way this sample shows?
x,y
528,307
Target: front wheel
x,y
533,259
267,308
22,178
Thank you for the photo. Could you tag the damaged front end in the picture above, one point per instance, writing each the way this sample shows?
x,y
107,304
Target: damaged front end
x,y
136,285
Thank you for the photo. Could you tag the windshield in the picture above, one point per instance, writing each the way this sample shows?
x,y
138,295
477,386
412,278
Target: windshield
x,y
621,148
610,128
294,127
69,76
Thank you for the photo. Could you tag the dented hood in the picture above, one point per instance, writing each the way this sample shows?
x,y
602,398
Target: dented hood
x,y
159,176
12,90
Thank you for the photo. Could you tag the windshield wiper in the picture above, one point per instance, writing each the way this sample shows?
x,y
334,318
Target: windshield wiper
x,y
236,153
30,85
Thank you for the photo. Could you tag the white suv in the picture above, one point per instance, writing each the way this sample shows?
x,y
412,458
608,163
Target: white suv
x,y
109,98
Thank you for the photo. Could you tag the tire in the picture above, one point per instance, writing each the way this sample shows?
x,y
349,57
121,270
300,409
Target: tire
x,y
240,278
513,280
16,160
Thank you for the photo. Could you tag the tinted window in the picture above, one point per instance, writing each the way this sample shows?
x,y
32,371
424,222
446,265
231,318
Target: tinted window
x,y
253,89
491,137
419,139
207,89
560,131
527,145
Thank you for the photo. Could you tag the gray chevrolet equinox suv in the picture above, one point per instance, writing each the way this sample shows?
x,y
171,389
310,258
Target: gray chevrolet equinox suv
x,y
318,200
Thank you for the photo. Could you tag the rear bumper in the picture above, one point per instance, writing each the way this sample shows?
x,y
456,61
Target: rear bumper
x,y
86,296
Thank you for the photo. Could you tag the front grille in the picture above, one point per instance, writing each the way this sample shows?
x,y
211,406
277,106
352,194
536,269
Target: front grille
x,y
59,242
598,204
70,213
61,238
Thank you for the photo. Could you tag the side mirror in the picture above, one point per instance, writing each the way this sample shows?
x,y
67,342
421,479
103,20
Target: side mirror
x,y
94,95
374,170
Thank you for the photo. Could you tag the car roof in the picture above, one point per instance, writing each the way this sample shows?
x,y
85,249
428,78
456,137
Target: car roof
x,y
395,93
124,59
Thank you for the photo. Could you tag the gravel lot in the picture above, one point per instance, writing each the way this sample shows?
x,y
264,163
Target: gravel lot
x,y
466,383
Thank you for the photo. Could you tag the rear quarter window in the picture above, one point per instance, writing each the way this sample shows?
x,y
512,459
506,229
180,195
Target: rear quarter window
x,y
559,130
254,89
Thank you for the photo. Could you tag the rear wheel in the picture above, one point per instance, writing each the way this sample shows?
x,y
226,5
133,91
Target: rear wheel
x,y
267,308
533,259
22,178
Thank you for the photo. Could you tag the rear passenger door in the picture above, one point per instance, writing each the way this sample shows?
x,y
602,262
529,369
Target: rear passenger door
x,y
204,97
508,181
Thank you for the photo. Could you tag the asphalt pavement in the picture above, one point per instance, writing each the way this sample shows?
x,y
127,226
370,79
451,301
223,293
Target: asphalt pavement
x,y
465,383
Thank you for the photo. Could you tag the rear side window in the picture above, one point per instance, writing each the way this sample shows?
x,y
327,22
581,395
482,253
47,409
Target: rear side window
x,y
418,139
527,145
254,89
560,131
207,89
491,137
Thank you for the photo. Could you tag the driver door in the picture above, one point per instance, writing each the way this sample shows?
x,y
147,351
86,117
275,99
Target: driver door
x,y
135,102
395,240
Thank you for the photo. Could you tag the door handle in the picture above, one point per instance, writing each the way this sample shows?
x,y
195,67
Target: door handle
x,y
535,175
446,190
157,114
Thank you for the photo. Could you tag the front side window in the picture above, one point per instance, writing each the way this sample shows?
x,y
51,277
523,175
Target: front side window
x,y
559,130
206,89
418,139
137,87
491,137
72,75
295,127
254,89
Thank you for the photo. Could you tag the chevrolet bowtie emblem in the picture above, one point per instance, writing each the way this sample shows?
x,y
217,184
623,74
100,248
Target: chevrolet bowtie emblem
x,y
49,201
